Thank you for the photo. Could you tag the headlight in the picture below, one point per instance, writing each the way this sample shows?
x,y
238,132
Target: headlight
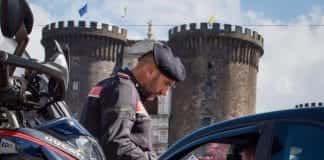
x,y
88,147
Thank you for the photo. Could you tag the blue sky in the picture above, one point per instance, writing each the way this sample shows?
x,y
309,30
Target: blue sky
x,y
109,11
290,70
284,10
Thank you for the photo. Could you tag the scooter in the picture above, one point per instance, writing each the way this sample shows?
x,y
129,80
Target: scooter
x,y
35,122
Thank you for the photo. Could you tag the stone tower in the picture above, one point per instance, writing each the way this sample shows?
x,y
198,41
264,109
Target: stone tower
x,y
95,52
222,64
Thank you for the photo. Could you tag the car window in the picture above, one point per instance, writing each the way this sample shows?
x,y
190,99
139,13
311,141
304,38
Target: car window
x,y
240,147
210,151
234,144
295,141
221,151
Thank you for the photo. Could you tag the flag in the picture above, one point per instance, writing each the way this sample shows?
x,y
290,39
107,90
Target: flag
x,y
83,10
211,20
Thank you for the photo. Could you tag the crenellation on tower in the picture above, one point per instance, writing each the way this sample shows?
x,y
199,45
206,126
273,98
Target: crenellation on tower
x,y
238,29
204,27
45,28
105,27
114,29
70,25
93,25
247,31
183,27
81,24
192,27
92,29
216,29
60,24
53,25
227,28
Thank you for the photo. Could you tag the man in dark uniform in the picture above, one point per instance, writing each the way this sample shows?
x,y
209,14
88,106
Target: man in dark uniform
x,y
114,112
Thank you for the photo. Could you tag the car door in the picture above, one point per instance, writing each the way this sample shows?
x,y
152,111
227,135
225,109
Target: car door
x,y
298,140
234,144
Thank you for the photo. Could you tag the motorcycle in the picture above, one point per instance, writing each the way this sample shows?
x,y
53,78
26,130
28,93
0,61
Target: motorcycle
x,y
34,120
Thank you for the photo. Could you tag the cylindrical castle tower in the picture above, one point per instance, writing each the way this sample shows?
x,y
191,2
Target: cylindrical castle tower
x,y
222,65
96,51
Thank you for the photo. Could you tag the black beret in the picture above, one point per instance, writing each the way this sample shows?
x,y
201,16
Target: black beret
x,y
168,64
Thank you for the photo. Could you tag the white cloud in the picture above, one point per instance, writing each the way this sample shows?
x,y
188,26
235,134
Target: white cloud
x,y
290,71
41,17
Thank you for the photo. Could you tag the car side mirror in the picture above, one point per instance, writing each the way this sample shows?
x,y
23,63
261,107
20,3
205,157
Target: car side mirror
x,y
14,14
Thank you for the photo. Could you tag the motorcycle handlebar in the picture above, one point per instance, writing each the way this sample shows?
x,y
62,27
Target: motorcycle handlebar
x,y
4,72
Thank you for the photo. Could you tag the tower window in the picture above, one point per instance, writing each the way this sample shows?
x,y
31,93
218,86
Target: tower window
x,y
209,65
75,85
163,137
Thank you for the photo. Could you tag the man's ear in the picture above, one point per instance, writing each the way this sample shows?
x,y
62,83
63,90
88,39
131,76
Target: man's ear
x,y
149,71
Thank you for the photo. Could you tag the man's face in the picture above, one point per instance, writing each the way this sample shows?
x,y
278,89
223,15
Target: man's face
x,y
215,151
158,85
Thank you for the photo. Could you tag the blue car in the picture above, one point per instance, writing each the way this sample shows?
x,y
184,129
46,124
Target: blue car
x,y
295,134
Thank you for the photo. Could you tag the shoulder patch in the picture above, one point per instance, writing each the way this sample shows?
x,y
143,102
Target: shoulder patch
x,y
140,108
95,92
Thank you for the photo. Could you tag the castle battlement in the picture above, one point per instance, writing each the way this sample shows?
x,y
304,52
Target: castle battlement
x,y
84,28
217,29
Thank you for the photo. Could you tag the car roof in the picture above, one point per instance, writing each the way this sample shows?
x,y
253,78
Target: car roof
x,y
314,114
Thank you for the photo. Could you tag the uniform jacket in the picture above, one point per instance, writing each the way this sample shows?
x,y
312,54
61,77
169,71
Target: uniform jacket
x,y
115,115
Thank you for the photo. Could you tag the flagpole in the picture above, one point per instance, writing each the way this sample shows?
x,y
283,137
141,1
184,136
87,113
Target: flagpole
x,y
124,14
